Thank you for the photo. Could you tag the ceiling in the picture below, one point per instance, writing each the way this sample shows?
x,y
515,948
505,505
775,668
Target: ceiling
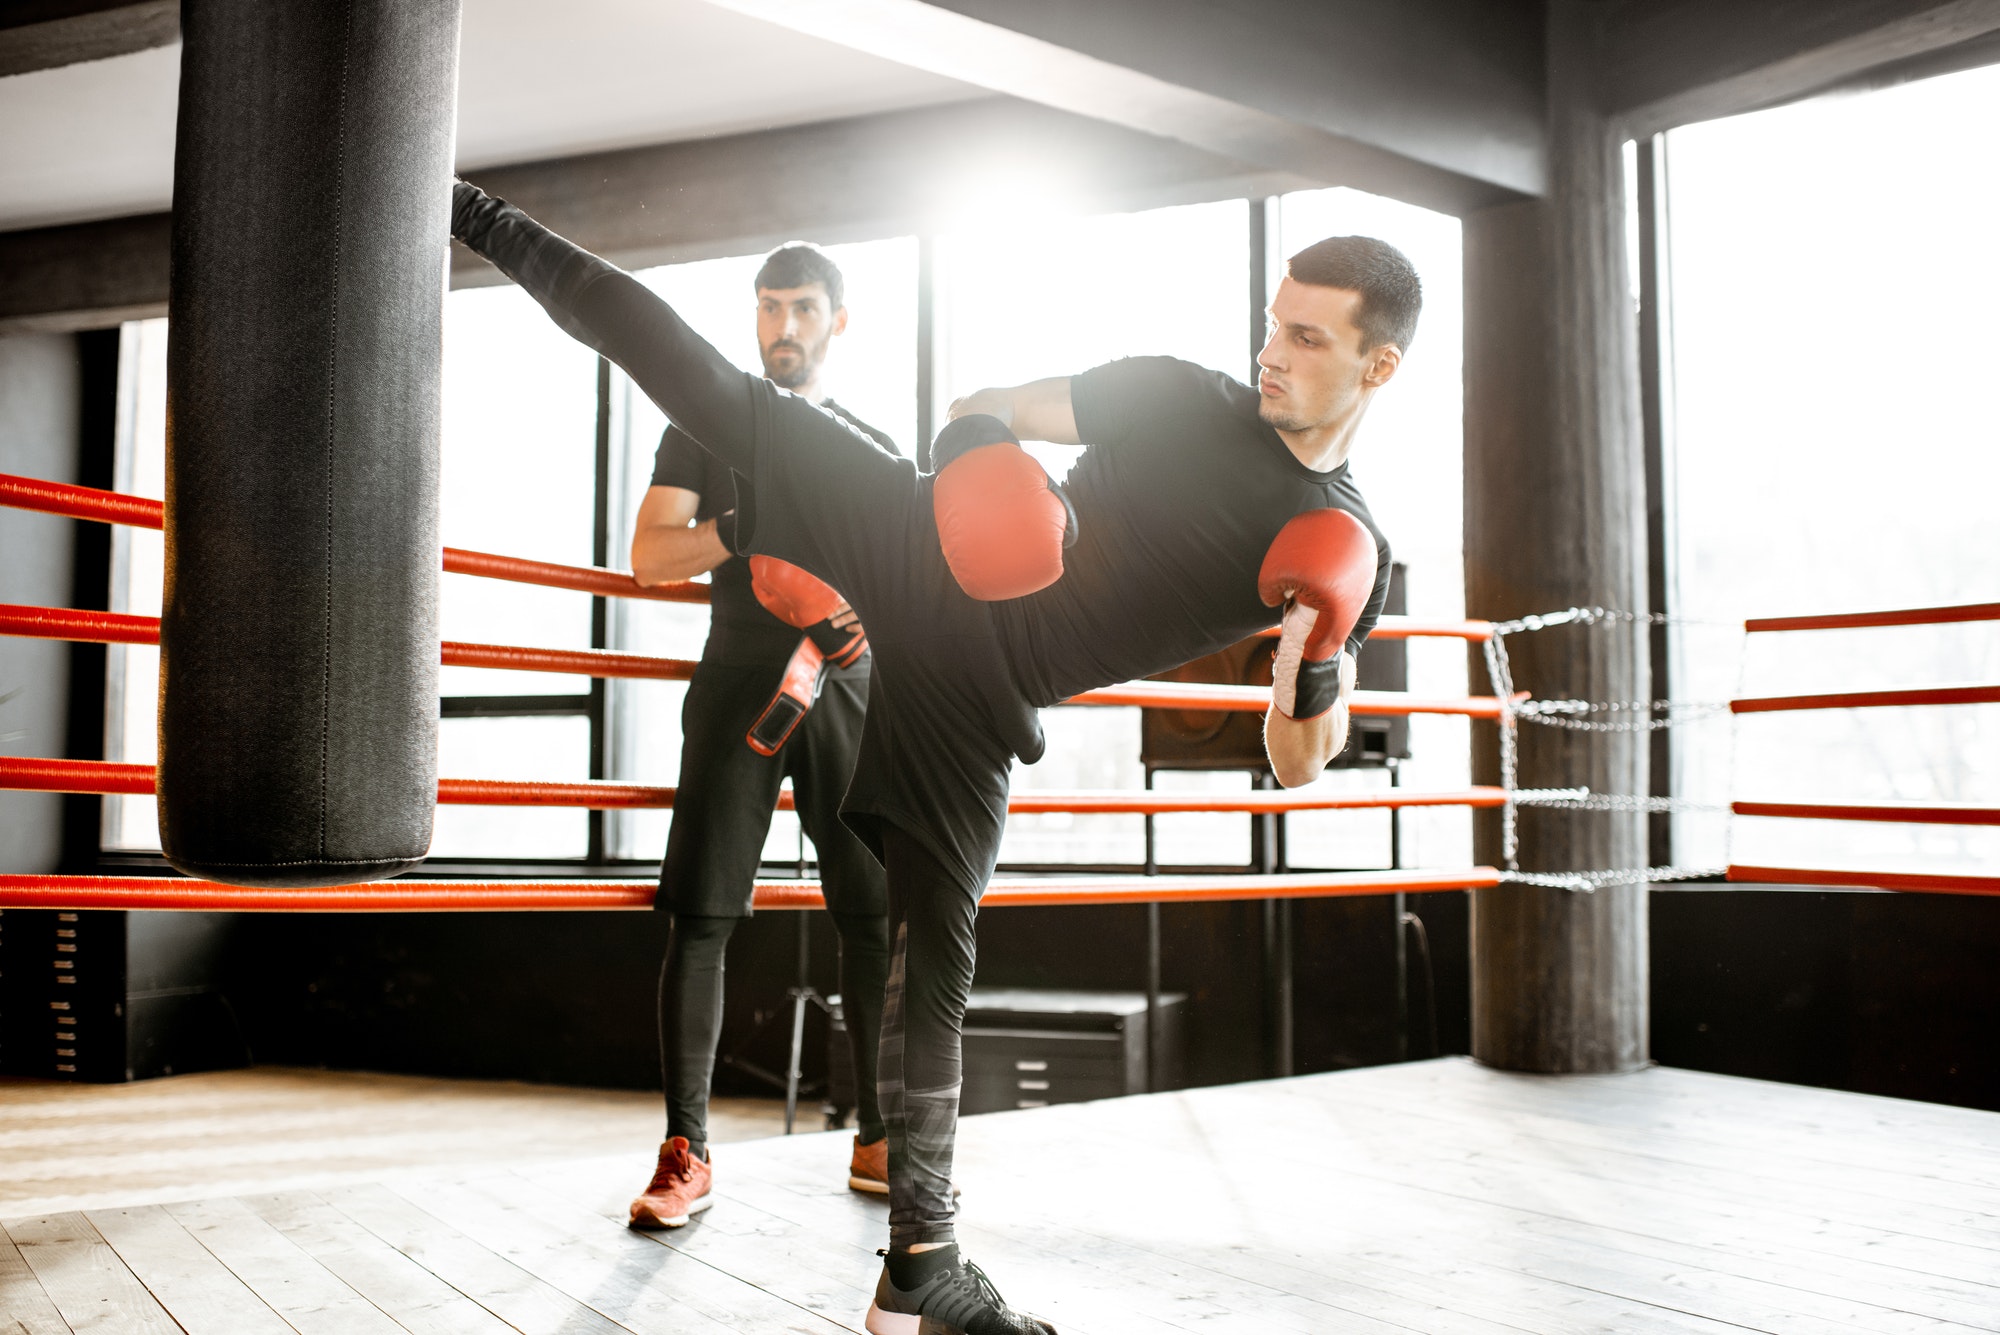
x,y
535,81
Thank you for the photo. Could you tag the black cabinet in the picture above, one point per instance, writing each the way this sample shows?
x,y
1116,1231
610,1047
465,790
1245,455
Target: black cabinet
x,y
1029,1048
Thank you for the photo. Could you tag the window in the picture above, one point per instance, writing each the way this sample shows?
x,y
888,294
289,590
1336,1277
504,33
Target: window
x,y
1048,295
1833,274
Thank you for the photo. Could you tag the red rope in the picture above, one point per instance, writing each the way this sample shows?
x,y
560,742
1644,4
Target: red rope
x,y
58,623
417,896
1911,695
1201,695
36,774
1913,616
1919,882
1911,813
113,507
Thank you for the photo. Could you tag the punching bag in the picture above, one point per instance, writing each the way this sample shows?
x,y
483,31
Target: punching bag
x,y
299,635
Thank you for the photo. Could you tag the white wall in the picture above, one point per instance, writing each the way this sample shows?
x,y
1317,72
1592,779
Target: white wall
x,y
39,399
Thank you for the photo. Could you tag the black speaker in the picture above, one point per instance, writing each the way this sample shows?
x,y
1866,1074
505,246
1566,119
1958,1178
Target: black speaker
x,y
1219,739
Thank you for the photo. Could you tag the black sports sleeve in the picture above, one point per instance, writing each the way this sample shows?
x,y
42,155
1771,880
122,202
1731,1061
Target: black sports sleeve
x,y
1378,597
680,462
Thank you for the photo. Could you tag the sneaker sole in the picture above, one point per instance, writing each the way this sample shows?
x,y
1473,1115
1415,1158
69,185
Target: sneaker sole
x,y
645,1219
880,1322
875,1186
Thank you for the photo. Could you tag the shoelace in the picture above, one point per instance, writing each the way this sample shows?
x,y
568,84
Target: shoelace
x,y
673,1168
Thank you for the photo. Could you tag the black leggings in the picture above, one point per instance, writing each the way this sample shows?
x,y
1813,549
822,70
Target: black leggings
x,y
691,1016
932,951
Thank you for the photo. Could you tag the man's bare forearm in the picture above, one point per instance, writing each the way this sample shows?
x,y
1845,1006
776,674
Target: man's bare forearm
x,y
1038,410
662,554
1299,749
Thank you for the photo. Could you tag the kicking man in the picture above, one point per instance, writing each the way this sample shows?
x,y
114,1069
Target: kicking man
x,y
989,593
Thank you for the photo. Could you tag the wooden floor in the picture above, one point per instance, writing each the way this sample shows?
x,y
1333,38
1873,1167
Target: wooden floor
x,y
1433,1197
65,1146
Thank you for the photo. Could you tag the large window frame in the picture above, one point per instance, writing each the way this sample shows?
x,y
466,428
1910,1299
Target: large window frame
x,y
599,705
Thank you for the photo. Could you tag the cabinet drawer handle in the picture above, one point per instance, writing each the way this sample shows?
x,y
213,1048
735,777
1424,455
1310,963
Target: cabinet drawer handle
x,y
1031,1084
1031,1103
1031,1066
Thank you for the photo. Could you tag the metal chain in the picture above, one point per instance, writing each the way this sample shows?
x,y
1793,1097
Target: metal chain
x,y
1502,675
1582,799
1551,714
1589,882
1603,616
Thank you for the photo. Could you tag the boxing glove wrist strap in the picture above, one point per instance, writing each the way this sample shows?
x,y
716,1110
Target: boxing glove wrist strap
x,y
1315,688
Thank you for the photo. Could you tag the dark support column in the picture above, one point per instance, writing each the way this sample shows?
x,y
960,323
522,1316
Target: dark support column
x,y
600,610
1555,516
1655,411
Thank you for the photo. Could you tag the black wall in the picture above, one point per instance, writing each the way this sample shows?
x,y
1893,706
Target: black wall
x,y
570,997
1881,993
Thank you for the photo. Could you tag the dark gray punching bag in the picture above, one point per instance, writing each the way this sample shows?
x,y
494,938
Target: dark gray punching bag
x,y
299,641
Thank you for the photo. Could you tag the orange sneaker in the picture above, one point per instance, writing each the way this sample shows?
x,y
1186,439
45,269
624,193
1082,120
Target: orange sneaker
x,y
679,1189
868,1170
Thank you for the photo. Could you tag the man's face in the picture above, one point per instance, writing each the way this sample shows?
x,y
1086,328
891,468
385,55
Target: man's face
x,y
794,326
1313,369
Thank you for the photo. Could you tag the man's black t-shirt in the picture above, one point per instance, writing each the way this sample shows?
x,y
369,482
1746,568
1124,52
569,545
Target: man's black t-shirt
x,y
740,630
1179,495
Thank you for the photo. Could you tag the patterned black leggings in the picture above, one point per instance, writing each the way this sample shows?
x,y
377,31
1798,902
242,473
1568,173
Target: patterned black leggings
x,y
931,916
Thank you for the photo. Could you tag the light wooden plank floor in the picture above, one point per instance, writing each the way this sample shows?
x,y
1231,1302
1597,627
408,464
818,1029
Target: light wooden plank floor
x,y
66,1147
1436,1197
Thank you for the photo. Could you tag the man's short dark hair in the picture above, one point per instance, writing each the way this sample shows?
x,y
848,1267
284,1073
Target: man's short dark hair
x,y
801,264
1391,295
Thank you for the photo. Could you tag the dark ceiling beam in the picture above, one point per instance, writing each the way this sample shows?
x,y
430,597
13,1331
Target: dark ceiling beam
x,y
1438,102
846,180
1664,63
46,34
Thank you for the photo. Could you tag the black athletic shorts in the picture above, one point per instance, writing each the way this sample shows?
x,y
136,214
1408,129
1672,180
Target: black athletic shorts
x,y
722,809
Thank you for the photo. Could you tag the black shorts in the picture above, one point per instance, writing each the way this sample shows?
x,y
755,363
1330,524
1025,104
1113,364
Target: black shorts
x,y
722,809
946,717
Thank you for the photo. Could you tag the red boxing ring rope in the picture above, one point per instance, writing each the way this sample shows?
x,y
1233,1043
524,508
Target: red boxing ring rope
x,y
58,623
1919,882
36,774
112,507
1909,695
1912,616
415,896
1911,813
62,498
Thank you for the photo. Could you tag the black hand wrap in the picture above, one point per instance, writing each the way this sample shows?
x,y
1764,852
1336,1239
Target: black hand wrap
x,y
842,646
1318,688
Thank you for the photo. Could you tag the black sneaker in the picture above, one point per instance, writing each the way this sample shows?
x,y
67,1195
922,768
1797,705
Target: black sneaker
x,y
958,1301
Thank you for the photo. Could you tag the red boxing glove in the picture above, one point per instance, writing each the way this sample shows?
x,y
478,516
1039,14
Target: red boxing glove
x,y
805,673
1321,566
801,599
1002,522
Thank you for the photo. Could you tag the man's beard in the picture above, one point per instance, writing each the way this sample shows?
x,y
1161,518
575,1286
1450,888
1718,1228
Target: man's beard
x,y
802,372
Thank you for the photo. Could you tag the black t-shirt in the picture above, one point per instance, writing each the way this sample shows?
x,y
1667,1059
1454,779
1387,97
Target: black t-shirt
x,y
739,630
1179,495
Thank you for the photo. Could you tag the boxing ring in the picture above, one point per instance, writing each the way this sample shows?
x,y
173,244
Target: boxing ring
x,y
1422,1195
1507,707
